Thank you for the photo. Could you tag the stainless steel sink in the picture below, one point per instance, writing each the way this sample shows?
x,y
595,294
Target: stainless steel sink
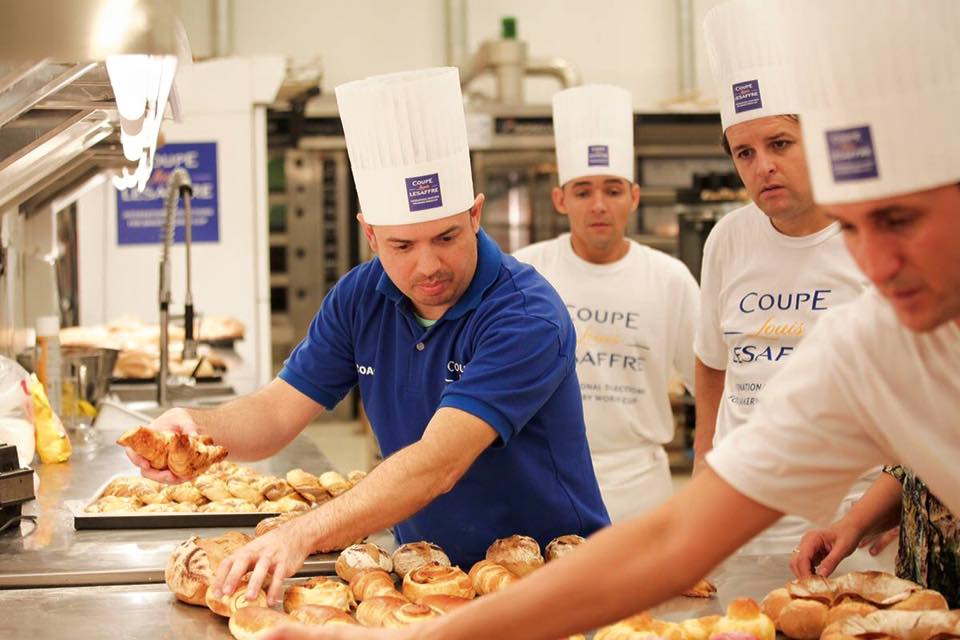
x,y
115,415
176,393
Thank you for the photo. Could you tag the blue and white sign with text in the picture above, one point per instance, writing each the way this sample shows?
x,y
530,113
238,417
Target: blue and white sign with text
x,y
140,214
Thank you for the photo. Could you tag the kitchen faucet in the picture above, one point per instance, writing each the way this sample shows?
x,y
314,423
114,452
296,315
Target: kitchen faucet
x,y
179,186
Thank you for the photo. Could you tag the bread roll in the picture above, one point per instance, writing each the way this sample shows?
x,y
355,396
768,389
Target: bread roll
x,y
368,583
519,554
699,628
413,555
319,615
803,619
249,623
269,524
923,600
562,545
487,577
847,608
774,602
362,556
320,590
444,604
743,615
409,614
435,579
372,611
226,606
334,483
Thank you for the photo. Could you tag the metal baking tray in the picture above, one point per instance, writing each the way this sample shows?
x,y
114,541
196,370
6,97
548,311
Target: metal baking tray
x,y
133,520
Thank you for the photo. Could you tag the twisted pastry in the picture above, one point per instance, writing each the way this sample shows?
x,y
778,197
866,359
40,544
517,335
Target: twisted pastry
x,y
434,579
372,611
319,591
487,577
368,583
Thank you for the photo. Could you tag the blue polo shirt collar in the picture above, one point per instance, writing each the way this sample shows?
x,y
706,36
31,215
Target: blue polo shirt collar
x,y
488,267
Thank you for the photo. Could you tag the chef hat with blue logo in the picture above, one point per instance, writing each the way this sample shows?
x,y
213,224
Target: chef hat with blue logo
x,y
748,54
407,141
593,131
880,96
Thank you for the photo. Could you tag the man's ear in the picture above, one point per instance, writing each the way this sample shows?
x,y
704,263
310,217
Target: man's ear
x,y
475,212
368,233
634,196
557,195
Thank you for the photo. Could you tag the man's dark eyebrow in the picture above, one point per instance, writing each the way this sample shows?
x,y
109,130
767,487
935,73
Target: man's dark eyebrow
x,y
581,183
616,181
446,231
779,134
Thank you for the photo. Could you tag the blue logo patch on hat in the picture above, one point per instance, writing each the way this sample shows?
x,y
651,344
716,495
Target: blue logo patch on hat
x,y
852,156
423,192
746,96
598,155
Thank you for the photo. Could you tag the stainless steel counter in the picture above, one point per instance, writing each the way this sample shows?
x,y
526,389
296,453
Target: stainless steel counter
x,y
150,611
51,553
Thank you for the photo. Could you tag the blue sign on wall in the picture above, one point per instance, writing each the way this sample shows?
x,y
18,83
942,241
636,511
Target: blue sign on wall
x,y
140,215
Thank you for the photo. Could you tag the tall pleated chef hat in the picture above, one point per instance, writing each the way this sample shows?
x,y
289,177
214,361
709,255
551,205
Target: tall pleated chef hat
x,y
407,140
880,96
593,130
748,54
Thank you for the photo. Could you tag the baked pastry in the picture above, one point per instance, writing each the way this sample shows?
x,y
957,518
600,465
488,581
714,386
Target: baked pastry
x,y
803,619
893,624
487,576
230,505
186,492
434,579
226,606
703,589
274,488
308,486
184,455
362,556
699,628
744,615
443,603
108,504
249,623
287,504
168,507
409,614
368,583
849,607
562,545
319,615
923,600
638,626
213,489
244,490
132,487
269,524
334,483
413,555
372,611
519,554
194,562
320,590
356,476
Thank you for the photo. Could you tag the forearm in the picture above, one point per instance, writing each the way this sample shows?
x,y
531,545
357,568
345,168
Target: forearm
x,y
709,384
257,425
878,509
397,488
630,567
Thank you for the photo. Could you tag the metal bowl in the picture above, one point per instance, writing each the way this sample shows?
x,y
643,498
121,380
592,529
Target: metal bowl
x,y
87,368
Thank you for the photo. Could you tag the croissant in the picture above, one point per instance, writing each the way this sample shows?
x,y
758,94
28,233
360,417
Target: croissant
x,y
368,583
412,555
184,455
226,606
435,578
409,614
319,615
444,603
488,577
319,591
519,554
372,611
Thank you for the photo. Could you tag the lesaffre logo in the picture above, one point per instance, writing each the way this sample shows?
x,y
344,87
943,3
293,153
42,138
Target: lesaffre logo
x,y
598,155
746,96
852,156
423,192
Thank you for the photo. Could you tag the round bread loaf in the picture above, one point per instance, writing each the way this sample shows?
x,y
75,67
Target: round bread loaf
x,y
413,555
365,555
561,546
249,623
519,554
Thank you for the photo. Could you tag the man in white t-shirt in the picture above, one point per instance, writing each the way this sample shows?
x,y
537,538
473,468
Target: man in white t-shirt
x,y
771,269
877,380
634,308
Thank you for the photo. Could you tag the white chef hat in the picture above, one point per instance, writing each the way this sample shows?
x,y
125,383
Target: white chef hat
x,y
748,54
880,93
593,129
407,140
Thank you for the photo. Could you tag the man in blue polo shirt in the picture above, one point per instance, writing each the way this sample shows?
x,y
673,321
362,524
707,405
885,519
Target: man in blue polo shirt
x,y
465,360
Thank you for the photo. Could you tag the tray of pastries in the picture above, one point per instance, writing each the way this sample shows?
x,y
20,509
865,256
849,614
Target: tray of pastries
x,y
372,587
224,495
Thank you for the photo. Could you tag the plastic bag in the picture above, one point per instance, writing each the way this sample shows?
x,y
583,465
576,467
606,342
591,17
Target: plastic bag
x,y
53,445
16,425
